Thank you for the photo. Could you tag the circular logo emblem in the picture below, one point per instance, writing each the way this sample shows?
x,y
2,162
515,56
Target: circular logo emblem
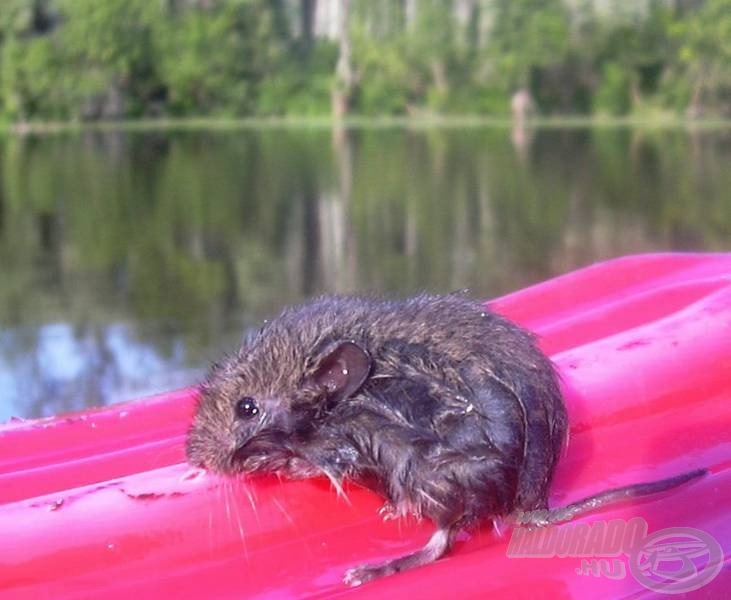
x,y
676,560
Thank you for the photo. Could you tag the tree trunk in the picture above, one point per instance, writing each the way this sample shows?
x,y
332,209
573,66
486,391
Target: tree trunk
x,y
695,108
307,12
344,76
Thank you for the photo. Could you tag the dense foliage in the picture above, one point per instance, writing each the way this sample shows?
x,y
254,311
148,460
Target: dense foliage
x,y
97,59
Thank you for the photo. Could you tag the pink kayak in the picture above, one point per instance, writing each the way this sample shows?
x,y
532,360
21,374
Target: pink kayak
x,y
101,504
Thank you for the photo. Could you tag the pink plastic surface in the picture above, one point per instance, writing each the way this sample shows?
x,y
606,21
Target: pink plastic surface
x,y
101,505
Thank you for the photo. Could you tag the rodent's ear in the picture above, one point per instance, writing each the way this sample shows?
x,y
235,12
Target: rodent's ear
x,y
342,369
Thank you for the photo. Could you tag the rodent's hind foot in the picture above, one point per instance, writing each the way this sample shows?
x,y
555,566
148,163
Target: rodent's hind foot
x,y
365,573
438,545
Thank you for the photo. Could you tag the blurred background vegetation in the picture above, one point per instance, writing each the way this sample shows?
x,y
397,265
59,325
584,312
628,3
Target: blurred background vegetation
x,y
123,59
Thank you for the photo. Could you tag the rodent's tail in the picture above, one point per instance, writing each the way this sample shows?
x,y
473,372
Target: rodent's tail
x,y
636,490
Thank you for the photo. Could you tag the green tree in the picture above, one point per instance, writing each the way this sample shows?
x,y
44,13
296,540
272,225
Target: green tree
x,y
96,59
214,60
29,61
705,56
109,49
527,36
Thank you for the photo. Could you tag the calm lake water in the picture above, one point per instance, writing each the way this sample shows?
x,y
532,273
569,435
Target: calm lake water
x,y
128,261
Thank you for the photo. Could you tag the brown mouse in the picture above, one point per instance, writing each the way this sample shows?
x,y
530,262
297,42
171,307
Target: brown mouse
x,y
448,410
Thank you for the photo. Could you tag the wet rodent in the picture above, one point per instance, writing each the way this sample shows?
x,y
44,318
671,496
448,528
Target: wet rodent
x,y
446,409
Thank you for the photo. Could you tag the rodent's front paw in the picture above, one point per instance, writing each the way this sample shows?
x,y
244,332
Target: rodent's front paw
x,y
389,512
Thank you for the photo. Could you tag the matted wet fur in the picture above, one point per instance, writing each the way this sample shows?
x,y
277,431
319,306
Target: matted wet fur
x,y
446,409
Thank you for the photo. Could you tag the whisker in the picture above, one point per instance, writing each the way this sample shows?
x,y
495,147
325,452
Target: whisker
x,y
219,494
210,528
227,497
284,512
211,545
336,484
250,497
241,529
431,498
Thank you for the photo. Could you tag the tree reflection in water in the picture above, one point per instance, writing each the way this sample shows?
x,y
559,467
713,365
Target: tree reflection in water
x,y
128,260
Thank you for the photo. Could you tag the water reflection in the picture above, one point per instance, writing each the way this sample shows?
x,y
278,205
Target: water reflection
x,y
129,260
48,369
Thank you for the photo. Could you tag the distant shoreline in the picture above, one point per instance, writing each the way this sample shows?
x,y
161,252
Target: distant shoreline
x,y
358,122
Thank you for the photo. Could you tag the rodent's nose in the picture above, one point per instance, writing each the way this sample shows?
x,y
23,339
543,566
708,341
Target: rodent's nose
x,y
210,449
218,462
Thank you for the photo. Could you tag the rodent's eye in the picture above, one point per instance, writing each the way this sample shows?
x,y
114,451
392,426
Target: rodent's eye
x,y
246,408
